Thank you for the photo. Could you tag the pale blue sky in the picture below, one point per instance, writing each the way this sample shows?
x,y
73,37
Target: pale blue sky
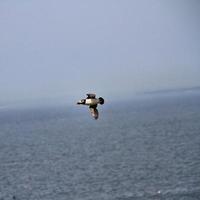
x,y
62,49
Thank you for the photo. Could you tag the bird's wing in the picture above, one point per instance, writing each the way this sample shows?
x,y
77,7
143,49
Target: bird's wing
x,y
94,112
91,96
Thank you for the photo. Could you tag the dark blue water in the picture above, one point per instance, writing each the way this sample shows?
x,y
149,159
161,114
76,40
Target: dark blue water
x,y
148,149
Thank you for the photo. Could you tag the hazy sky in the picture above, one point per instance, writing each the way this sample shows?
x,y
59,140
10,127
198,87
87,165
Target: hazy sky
x,y
62,49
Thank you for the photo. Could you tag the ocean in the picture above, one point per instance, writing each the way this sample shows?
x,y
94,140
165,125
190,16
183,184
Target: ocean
x,y
140,149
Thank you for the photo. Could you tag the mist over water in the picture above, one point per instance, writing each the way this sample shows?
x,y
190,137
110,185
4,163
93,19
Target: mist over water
x,y
53,50
139,149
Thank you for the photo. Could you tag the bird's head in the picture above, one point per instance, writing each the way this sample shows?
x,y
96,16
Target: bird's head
x,y
82,101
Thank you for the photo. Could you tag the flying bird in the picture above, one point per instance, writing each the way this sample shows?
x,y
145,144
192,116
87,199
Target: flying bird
x,y
92,102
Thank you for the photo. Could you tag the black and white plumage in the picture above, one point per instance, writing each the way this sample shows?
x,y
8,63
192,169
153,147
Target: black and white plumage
x,y
92,102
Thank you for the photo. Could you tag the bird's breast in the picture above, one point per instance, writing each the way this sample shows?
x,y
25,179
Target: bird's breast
x,y
91,101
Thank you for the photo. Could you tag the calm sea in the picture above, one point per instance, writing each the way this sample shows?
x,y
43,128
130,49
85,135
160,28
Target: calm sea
x,y
140,149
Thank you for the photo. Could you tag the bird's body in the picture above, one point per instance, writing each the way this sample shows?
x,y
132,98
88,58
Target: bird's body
x,y
92,102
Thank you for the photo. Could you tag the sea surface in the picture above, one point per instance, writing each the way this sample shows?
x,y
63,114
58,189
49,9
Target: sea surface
x,y
137,150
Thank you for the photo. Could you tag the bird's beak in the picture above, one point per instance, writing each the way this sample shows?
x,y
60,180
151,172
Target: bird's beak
x,y
79,102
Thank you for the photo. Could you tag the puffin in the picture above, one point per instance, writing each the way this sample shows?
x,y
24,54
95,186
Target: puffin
x,y
92,102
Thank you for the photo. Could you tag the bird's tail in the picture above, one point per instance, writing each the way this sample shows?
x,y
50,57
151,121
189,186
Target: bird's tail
x,y
101,100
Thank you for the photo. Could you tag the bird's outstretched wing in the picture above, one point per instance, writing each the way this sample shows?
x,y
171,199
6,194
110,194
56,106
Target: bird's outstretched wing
x,y
91,96
94,112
